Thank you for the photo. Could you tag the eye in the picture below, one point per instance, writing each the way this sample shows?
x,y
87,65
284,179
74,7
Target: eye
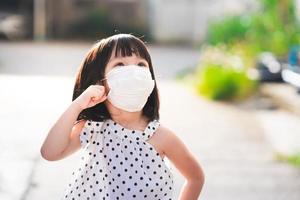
x,y
119,64
142,64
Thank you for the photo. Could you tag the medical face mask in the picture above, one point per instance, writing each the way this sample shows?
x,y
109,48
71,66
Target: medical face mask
x,y
130,86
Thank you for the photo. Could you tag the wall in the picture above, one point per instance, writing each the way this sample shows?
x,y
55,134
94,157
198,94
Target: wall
x,y
186,20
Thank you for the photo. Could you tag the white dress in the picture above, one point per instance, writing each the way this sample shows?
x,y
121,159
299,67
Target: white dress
x,y
118,163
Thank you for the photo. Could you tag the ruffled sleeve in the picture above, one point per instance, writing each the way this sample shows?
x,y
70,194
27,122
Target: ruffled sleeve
x,y
86,133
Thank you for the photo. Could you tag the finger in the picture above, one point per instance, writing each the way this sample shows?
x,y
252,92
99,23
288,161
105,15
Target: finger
x,y
97,93
99,101
103,98
99,87
96,98
98,90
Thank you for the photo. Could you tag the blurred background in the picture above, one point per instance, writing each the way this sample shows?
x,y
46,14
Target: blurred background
x,y
228,72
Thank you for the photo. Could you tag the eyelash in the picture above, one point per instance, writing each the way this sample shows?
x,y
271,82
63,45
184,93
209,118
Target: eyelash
x,y
142,64
119,64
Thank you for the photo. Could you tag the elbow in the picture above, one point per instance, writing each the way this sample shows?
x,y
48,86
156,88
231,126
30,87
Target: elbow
x,y
48,156
196,184
197,179
200,178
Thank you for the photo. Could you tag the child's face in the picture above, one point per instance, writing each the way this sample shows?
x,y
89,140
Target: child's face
x,y
122,61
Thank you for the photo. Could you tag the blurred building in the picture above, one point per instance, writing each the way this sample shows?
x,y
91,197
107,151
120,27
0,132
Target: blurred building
x,y
61,14
164,20
15,19
186,20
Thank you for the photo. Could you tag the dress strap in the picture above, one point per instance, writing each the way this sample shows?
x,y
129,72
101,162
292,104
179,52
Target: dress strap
x,y
89,132
150,129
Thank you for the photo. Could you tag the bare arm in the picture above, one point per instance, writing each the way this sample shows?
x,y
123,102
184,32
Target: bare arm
x,y
63,138
58,137
186,163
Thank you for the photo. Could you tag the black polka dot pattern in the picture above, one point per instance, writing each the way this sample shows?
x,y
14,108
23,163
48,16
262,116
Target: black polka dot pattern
x,y
119,164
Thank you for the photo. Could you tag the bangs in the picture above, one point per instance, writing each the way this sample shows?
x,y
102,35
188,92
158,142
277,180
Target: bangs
x,y
126,45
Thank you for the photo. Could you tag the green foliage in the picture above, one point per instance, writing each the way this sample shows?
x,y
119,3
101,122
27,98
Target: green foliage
x,y
222,75
219,83
228,30
294,160
291,159
274,28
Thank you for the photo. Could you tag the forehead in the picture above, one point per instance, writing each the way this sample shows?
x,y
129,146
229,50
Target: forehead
x,y
119,57
115,58
121,54
127,50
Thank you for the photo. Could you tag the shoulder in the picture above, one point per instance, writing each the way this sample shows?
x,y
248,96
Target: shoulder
x,y
167,136
164,132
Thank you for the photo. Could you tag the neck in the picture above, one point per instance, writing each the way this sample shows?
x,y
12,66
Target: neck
x,y
134,120
127,117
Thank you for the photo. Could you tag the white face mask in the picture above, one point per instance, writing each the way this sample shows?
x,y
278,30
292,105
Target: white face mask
x,y
130,86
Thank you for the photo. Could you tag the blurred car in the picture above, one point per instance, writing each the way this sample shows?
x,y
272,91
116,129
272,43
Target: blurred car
x,y
291,71
12,26
269,68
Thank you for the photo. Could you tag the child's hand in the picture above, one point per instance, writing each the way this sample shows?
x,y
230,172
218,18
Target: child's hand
x,y
93,95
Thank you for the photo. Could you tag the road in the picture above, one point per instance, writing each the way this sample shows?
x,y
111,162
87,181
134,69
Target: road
x,y
230,143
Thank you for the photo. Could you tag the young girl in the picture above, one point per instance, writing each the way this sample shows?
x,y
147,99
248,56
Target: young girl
x,y
114,117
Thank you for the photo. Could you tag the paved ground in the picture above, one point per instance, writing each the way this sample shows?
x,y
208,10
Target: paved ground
x,y
229,142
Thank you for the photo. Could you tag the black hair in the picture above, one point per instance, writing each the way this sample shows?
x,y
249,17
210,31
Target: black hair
x,y
93,67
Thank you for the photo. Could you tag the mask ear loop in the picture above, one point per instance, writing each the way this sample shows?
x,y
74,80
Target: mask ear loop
x,y
100,82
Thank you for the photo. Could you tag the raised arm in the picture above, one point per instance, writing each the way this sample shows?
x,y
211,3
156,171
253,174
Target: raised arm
x,y
63,137
59,135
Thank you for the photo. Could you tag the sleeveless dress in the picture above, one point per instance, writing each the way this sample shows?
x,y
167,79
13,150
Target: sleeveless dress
x,y
119,164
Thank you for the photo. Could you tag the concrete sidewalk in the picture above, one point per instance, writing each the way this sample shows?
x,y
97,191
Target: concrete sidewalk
x,y
228,142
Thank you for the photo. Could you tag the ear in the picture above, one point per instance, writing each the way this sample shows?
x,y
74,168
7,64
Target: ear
x,y
107,89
